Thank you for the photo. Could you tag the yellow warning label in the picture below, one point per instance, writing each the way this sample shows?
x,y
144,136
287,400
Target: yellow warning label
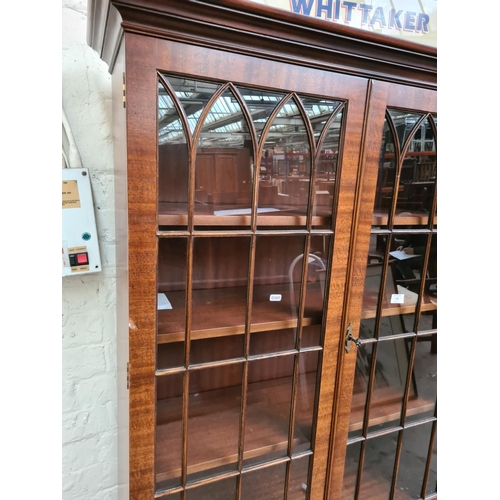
x,y
79,269
77,249
70,194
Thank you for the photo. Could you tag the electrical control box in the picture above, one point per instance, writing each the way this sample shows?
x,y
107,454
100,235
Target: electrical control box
x,y
80,245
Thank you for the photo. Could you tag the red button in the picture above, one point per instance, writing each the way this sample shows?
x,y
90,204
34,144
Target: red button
x,y
82,258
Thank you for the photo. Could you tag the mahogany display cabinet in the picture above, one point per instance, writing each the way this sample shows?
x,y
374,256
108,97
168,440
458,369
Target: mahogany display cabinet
x,y
276,211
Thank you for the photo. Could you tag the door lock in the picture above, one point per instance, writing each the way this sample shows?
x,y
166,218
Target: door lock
x,y
350,338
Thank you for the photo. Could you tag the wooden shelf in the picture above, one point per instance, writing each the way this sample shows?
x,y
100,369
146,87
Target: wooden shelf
x,y
170,214
220,312
405,218
213,414
369,309
385,407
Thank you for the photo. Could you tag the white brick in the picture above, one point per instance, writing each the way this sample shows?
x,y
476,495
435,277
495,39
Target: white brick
x,y
96,391
83,362
88,483
86,424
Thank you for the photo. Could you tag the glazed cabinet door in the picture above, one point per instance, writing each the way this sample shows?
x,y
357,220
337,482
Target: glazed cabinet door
x,y
385,426
242,180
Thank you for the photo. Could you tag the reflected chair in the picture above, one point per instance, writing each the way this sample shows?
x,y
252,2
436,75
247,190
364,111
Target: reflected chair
x,y
413,284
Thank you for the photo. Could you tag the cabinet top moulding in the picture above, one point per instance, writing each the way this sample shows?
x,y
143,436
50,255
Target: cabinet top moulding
x,y
250,28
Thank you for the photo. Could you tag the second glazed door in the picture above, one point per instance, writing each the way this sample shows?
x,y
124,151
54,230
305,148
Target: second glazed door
x,y
385,439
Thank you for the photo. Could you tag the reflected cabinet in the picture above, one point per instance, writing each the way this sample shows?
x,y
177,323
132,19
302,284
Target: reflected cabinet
x,y
280,225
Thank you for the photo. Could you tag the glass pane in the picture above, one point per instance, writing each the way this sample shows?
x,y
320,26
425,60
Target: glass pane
x,y
276,292
168,448
225,489
401,295
361,381
276,341
428,318
213,420
319,255
386,177
402,283
224,163
267,418
193,96
388,385
170,355
220,273
417,171
298,486
305,401
413,459
423,402
350,471
216,349
277,284
432,480
404,123
172,271
173,163
373,281
326,172
418,175
287,193
174,496
378,467
261,103
311,336
407,274
284,340
319,112
268,483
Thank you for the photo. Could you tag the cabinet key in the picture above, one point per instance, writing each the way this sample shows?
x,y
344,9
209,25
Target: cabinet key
x,y
350,338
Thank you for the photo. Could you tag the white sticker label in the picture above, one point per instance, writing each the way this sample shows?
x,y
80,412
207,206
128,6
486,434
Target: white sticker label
x,y
275,297
398,298
163,302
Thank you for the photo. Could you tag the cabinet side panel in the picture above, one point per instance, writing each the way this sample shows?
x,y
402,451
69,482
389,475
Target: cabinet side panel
x,y
141,91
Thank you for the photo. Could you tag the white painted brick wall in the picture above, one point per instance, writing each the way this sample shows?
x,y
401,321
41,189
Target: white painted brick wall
x,y
89,346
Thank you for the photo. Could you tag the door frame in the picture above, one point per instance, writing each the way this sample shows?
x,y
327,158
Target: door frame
x,y
383,95
144,57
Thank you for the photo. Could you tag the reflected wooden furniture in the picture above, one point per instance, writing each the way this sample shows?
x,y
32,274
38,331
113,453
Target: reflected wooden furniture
x,y
224,174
